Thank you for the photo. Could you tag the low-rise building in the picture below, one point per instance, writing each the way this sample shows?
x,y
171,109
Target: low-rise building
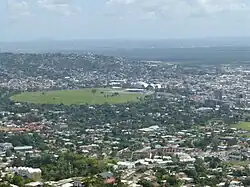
x,y
31,173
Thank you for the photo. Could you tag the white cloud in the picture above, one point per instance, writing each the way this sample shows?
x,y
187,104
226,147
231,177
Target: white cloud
x,y
53,3
212,6
121,1
17,8
15,4
181,8
65,7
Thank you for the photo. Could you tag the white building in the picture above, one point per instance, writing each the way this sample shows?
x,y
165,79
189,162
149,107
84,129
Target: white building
x,y
34,184
126,165
23,148
31,173
6,146
184,157
140,85
150,129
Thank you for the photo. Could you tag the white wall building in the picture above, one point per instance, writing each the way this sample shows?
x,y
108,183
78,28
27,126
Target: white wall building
x,y
126,165
184,157
31,173
6,146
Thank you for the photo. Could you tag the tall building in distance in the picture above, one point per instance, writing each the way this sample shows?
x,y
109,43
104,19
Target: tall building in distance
x,y
218,94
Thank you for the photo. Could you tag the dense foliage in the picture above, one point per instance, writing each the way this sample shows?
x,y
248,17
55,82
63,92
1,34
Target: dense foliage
x,y
66,165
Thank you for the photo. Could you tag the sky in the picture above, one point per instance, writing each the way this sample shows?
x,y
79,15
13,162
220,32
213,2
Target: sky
x,y
25,20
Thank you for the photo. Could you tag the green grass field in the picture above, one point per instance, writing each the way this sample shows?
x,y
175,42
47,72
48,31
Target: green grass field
x,y
242,125
237,163
79,97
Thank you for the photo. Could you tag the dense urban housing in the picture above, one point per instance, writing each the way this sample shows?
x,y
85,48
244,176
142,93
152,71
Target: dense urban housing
x,y
94,120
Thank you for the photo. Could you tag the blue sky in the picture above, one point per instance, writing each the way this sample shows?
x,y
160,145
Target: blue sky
x,y
81,19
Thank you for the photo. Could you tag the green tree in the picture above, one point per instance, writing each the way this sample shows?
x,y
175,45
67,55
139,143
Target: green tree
x,y
93,91
246,182
4,159
145,183
18,180
172,181
215,143
5,184
8,153
18,161
200,166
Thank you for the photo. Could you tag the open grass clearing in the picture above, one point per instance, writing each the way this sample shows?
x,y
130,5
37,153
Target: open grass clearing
x,y
242,125
79,97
